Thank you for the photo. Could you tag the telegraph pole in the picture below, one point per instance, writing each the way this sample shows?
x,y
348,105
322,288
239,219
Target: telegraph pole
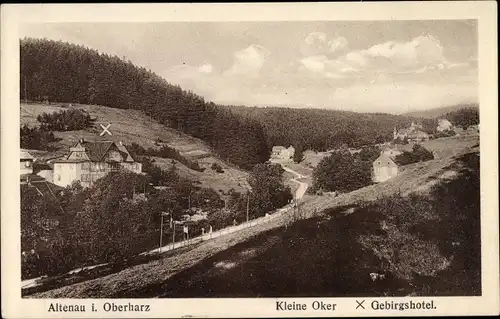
x,y
173,235
161,232
248,204
25,91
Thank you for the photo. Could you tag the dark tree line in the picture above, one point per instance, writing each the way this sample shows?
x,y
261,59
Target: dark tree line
x,y
464,117
166,152
63,72
322,130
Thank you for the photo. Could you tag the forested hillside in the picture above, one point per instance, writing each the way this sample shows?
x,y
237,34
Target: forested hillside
x,y
442,111
321,130
63,72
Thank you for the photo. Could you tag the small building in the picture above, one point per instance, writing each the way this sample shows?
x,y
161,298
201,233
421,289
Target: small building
x,y
418,136
444,125
89,161
26,160
391,151
282,153
384,168
414,133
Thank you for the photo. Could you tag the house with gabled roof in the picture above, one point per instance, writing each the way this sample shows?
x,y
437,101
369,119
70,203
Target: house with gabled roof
x,y
26,160
89,161
384,168
282,153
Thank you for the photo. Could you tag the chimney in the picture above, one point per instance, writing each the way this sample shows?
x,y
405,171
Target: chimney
x,y
121,143
82,140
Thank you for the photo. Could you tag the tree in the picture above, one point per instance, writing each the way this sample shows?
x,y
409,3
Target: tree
x,y
418,154
298,155
113,224
268,190
341,171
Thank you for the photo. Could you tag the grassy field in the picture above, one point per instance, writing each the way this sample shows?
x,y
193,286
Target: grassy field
x,y
151,279
131,126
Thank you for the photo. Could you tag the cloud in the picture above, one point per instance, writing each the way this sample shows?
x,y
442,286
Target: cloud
x,y
420,55
249,61
330,68
206,68
319,43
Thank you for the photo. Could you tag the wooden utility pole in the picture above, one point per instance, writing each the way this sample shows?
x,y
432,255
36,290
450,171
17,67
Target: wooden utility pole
x,y
25,91
161,232
173,236
248,205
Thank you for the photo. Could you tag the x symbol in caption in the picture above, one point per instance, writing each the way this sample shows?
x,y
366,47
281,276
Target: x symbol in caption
x,y
360,304
105,129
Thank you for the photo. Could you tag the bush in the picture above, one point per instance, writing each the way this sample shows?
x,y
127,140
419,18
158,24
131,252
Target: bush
x,y
342,171
165,152
37,138
65,120
418,154
216,167
447,133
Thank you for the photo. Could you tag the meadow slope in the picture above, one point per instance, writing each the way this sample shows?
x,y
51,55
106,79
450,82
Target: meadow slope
x,y
132,126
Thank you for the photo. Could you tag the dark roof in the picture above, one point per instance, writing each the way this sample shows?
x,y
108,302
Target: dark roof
x,y
97,150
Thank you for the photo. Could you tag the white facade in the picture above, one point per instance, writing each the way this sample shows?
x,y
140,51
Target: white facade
x,y
444,125
87,162
282,153
384,168
26,161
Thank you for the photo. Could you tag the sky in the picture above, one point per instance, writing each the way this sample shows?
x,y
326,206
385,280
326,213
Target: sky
x,y
366,66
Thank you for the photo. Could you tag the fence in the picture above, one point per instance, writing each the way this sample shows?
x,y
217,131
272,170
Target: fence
x,y
218,233
33,282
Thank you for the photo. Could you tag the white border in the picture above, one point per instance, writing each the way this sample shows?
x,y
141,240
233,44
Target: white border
x,y
14,15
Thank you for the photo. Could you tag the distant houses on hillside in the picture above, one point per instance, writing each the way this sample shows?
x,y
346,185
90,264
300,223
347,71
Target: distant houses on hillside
x,y
282,153
414,133
89,161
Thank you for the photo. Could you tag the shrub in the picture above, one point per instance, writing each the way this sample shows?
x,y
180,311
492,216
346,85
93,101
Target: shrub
x,y
165,152
418,154
65,120
217,167
36,138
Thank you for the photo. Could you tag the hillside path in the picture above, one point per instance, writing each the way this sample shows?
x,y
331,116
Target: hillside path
x,y
299,193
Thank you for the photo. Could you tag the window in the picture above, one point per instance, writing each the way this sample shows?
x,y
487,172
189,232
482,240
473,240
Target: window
x,y
378,162
58,177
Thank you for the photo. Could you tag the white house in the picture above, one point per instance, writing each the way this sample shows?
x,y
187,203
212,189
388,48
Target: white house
x,y
282,153
89,161
444,125
384,168
26,160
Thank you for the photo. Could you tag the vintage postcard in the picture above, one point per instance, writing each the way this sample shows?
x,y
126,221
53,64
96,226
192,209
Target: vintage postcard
x,y
249,160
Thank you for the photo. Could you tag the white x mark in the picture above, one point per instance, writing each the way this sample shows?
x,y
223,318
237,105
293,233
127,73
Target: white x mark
x,y
105,129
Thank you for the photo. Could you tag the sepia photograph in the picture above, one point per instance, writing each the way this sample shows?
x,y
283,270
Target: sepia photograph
x,y
223,159
272,159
